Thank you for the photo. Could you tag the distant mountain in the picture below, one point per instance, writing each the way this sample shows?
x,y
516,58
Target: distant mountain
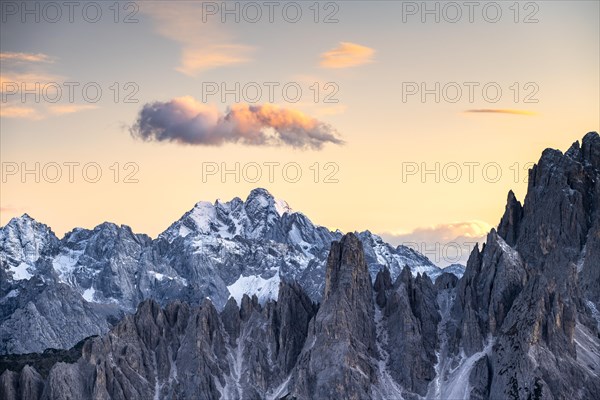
x,y
456,269
215,250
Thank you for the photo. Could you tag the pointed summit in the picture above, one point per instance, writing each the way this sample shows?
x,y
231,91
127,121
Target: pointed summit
x,y
261,194
347,271
24,239
266,199
590,149
337,365
509,225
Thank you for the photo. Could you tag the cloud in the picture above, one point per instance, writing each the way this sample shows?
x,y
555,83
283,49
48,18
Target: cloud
x,y
62,109
444,244
25,57
195,60
347,55
187,121
500,111
10,111
23,80
204,45
448,231
20,70
11,81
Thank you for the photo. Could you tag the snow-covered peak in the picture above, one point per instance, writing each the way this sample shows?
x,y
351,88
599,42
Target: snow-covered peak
x,y
380,253
260,204
282,207
23,240
261,195
456,269
24,225
202,215
252,218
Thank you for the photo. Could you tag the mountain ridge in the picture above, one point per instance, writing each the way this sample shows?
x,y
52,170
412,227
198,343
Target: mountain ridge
x,y
214,250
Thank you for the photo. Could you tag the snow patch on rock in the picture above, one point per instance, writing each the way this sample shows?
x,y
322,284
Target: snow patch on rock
x,y
264,289
21,272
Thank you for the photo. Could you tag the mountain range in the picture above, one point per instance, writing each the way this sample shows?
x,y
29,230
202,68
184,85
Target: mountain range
x,y
353,317
59,291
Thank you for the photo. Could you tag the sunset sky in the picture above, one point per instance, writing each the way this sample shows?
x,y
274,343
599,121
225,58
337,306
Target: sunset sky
x,y
369,147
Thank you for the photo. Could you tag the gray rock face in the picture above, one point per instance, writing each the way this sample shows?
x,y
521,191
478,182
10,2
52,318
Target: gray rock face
x,y
45,313
446,281
511,220
182,352
525,311
493,279
26,385
410,323
556,238
337,359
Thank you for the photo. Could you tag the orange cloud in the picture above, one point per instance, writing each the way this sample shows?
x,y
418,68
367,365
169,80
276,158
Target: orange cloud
x,y
500,111
195,60
446,232
204,45
347,55
28,80
184,120
10,111
25,57
444,244
30,77
62,109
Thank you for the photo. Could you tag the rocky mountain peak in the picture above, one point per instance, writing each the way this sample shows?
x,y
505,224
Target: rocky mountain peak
x,y
26,230
347,271
509,225
383,282
260,199
337,363
589,150
260,194
561,206
22,242
527,299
